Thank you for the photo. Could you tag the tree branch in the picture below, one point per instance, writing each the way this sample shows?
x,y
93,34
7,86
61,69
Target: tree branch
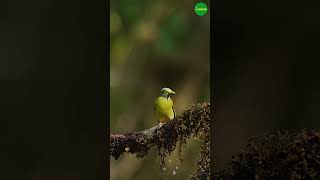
x,y
193,121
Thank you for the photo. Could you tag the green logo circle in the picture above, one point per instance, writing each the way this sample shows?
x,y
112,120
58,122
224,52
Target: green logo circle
x,y
201,9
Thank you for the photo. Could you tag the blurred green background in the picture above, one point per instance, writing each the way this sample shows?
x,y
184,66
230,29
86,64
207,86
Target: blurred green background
x,y
155,44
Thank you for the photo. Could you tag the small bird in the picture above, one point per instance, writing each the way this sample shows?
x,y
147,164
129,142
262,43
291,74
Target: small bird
x,y
163,106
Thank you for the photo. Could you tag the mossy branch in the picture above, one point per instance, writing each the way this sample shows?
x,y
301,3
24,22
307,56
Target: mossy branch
x,y
277,155
194,121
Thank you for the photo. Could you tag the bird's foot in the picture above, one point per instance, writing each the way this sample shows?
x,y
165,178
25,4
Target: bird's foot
x,y
161,124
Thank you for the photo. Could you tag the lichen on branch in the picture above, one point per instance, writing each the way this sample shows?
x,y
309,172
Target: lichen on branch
x,y
193,122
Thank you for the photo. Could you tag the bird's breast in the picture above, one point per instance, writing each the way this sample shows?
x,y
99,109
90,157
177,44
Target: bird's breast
x,y
164,103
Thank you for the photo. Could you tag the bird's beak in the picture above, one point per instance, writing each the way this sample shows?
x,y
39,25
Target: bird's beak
x,y
172,92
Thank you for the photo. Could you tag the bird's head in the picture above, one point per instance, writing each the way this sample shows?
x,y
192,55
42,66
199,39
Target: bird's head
x,y
166,92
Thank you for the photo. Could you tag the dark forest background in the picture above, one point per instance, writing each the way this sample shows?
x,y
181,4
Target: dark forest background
x,y
266,70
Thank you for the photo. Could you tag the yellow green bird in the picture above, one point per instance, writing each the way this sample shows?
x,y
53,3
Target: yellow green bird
x,y
163,106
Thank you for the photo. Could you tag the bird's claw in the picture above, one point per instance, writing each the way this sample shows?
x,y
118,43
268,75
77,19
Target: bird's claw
x,y
161,124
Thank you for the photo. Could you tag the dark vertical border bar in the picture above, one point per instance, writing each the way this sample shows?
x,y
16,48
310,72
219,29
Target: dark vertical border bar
x,y
54,89
107,76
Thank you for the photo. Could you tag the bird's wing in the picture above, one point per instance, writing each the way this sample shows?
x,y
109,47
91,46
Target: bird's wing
x,y
174,112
